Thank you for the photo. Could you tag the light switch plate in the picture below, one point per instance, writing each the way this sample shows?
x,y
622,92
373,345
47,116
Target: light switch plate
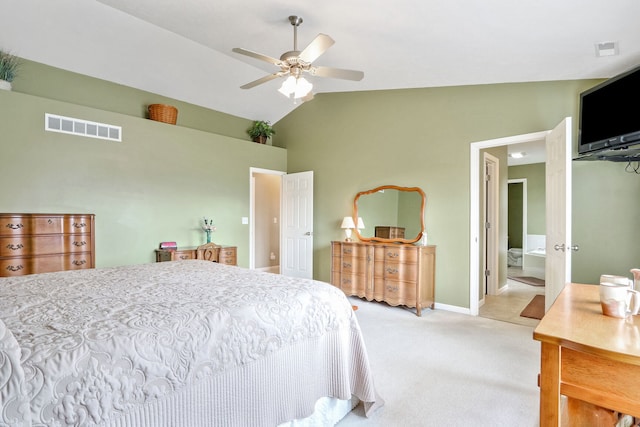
x,y
245,220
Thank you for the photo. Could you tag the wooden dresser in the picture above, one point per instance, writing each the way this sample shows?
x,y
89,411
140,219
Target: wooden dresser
x,y
398,274
226,254
42,243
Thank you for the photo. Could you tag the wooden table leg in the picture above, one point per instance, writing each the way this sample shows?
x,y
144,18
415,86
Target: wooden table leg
x,y
549,385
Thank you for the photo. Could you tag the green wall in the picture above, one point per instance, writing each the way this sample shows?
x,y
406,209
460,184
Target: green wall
x,y
155,185
516,214
605,217
356,141
159,182
53,83
535,175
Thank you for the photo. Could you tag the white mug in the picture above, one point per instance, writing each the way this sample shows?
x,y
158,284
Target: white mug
x,y
619,300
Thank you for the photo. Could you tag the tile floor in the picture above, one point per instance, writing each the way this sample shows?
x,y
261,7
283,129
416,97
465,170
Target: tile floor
x,y
508,305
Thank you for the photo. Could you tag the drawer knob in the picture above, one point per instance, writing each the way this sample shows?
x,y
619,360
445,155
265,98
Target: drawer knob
x,y
15,247
346,265
14,267
15,226
79,225
392,270
347,251
79,243
392,254
392,288
184,256
80,262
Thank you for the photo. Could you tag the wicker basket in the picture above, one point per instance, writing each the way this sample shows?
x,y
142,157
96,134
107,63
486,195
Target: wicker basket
x,y
163,113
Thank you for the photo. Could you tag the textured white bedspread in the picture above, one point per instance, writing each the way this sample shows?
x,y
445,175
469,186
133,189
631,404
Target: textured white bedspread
x,y
186,343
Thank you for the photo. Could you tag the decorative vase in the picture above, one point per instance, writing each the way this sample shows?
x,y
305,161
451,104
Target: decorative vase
x,y
5,85
208,235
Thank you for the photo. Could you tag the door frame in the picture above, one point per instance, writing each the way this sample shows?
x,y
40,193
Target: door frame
x,y
252,207
491,215
474,214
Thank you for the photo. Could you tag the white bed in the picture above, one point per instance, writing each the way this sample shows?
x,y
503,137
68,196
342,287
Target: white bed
x,y
185,343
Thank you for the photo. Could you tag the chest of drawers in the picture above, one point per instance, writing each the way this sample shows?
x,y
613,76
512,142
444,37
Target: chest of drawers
x,y
43,243
393,273
225,255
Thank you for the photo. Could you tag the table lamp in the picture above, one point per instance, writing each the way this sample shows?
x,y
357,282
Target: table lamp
x,y
347,225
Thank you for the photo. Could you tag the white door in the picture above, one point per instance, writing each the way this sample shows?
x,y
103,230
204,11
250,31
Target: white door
x,y
296,248
491,200
558,211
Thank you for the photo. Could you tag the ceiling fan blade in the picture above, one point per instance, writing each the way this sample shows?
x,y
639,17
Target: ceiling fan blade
x,y
317,47
260,81
336,73
256,55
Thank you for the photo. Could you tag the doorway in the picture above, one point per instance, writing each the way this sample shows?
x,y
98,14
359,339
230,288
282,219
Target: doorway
x,y
557,209
264,219
476,288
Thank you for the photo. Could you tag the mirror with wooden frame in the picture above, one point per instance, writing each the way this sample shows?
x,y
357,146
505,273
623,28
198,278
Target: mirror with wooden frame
x,y
390,214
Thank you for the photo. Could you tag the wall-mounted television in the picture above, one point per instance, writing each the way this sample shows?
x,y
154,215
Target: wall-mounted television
x,y
609,118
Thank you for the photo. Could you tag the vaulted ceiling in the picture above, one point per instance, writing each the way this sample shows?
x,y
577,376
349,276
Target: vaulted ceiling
x,y
183,49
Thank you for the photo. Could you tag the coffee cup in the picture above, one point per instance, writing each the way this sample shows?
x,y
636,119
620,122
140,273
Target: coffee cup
x,y
619,300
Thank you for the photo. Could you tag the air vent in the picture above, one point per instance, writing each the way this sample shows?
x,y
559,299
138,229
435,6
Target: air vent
x,y
55,123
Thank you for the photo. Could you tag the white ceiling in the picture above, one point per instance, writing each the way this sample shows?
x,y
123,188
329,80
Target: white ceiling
x,y
182,49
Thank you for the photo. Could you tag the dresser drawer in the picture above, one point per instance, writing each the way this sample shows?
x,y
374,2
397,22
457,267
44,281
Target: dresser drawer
x,y
228,256
397,271
398,254
353,251
397,292
44,264
12,225
44,245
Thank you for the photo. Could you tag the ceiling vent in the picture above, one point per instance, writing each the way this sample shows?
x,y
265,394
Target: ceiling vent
x,y
606,49
55,123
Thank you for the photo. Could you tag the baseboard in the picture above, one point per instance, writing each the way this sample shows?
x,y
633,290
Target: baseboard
x,y
453,308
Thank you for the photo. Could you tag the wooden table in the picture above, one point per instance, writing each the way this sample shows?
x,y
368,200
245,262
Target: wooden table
x,y
587,356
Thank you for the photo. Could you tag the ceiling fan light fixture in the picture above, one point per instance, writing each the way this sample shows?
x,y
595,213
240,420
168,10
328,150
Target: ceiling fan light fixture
x,y
295,87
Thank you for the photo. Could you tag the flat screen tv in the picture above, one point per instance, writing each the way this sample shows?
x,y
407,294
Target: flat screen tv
x,y
609,118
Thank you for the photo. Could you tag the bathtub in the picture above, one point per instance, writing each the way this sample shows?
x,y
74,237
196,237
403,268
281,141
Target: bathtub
x,y
514,257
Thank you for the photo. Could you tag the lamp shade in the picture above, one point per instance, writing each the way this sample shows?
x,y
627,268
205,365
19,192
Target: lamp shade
x,y
295,87
360,223
347,222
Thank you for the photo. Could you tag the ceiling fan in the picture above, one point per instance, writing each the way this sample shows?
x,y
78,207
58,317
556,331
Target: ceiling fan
x,y
293,64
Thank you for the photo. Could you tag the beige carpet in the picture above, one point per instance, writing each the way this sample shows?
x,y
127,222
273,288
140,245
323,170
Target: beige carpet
x,y
535,309
448,369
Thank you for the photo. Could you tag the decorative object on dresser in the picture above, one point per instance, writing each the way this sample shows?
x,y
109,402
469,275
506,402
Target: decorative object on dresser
x,y
43,243
224,255
208,227
347,225
397,207
389,232
168,245
393,273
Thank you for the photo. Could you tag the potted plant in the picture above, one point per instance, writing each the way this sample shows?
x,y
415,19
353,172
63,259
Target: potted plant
x,y
8,68
260,131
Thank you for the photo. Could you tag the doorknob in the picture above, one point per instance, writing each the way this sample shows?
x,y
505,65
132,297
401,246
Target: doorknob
x,y
559,247
574,248
308,233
